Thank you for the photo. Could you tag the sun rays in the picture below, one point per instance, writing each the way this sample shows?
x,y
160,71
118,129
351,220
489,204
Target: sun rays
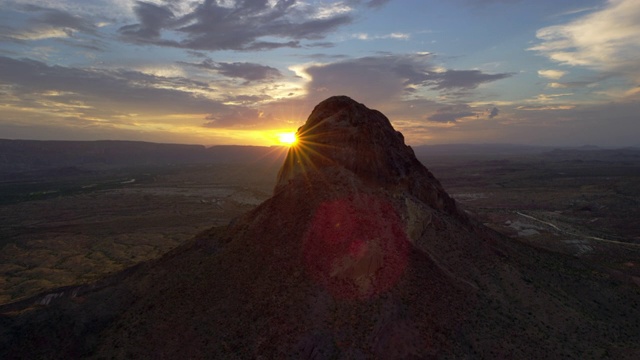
x,y
305,156
288,138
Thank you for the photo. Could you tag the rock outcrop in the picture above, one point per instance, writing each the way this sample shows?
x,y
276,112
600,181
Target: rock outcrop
x,y
342,133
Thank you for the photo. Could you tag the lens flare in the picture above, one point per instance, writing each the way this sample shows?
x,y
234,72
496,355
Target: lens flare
x,y
356,247
288,138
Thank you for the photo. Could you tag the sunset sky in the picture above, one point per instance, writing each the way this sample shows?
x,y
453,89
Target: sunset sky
x,y
542,72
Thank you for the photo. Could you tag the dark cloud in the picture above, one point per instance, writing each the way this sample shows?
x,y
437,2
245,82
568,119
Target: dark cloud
x,y
48,23
493,112
104,91
381,78
270,45
86,44
61,19
372,79
111,94
248,71
247,99
451,114
243,70
197,54
321,44
8,33
153,18
210,26
462,79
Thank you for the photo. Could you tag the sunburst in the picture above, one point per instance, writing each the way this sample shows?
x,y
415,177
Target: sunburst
x,y
288,138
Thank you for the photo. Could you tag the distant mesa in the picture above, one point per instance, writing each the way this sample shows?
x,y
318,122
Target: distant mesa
x,y
359,254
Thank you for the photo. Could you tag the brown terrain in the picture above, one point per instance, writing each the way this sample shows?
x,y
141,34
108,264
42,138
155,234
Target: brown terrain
x,y
359,253
75,238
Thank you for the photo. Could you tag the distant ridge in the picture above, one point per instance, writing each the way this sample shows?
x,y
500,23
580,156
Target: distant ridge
x,y
28,155
478,149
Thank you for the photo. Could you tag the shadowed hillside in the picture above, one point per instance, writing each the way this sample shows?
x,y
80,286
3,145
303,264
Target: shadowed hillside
x,y
359,254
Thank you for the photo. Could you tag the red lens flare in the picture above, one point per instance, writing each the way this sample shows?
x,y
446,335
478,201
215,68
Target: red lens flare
x,y
356,247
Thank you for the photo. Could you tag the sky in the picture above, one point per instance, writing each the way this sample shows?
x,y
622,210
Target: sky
x,y
544,72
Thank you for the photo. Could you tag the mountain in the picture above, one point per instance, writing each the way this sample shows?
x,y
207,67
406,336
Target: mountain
x,y
34,155
359,254
476,150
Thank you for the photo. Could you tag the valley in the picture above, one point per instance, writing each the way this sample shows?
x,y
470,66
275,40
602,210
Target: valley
x,y
74,225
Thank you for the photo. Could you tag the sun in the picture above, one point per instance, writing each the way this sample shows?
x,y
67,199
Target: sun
x,y
288,138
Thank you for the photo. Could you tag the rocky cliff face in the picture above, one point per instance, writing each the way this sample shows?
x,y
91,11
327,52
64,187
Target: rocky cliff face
x,y
342,133
359,254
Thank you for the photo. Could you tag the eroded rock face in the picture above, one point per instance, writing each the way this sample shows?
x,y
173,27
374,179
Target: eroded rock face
x,y
368,195
343,133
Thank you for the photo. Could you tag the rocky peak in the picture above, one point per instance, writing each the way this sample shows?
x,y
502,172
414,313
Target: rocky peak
x,y
342,133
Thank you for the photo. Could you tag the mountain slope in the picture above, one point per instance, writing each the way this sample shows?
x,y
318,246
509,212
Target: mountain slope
x,y
360,253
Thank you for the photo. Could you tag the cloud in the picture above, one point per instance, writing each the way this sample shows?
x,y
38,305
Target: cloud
x,y
547,98
241,25
493,112
545,107
552,74
373,79
451,114
394,35
379,79
238,118
109,96
246,99
50,23
462,79
605,40
577,11
88,9
243,70
586,82
104,94
112,90
153,18
324,57
63,19
570,84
